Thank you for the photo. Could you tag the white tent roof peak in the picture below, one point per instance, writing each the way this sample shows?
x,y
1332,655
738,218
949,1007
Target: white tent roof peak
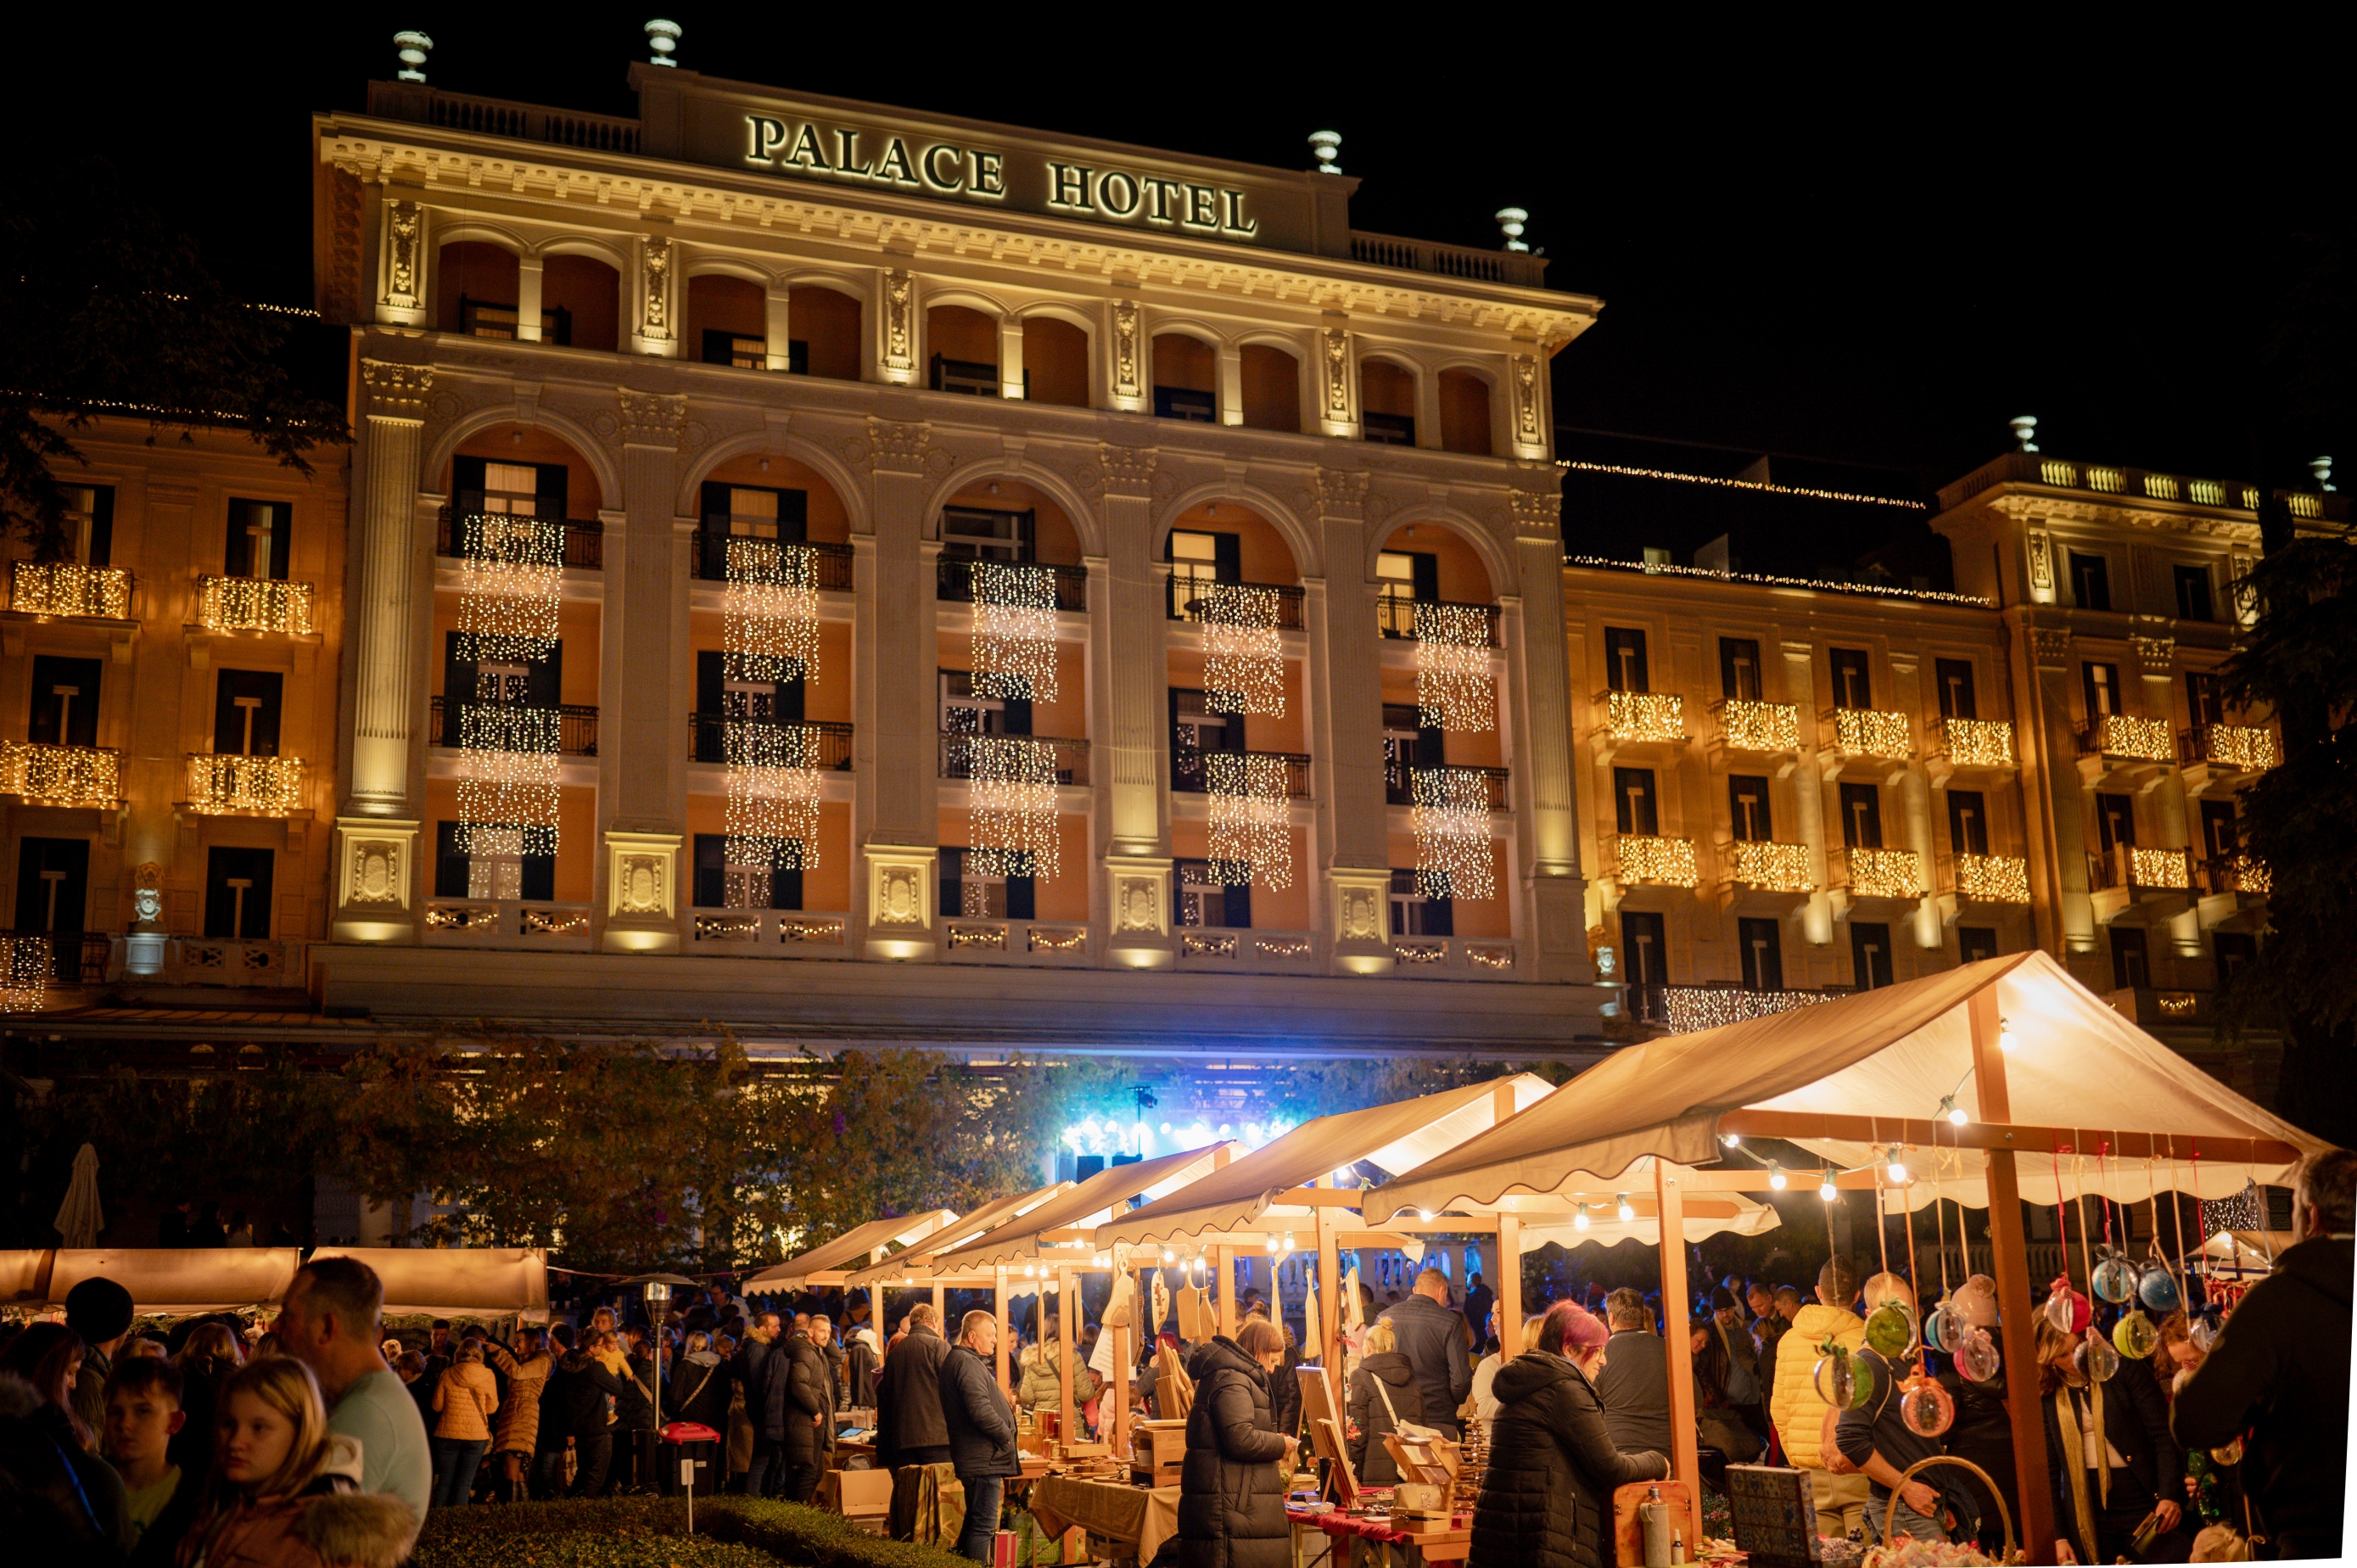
x,y
851,1250
1090,1203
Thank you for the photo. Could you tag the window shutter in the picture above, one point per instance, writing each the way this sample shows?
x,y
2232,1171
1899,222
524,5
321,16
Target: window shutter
x,y
543,678
449,862
1439,918
1427,578
549,489
711,871
465,485
953,877
1239,906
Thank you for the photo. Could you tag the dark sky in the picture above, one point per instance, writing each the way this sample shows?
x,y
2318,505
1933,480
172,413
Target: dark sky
x,y
1802,248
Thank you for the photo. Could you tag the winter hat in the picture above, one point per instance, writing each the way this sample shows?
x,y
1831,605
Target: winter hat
x,y
98,1310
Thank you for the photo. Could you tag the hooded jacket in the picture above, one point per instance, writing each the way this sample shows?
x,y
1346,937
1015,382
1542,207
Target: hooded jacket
x,y
47,1513
1793,1404
1232,1486
909,1426
698,1390
1371,1419
2281,1371
1547,1496
520,1412
579,1391
330,1524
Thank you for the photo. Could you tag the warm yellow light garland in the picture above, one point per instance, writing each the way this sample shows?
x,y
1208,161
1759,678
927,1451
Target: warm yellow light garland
x,y
1251,827
1014,631
1012,822
510,587
1243,655
1451,820
1453,689
772,817
769,611
508,765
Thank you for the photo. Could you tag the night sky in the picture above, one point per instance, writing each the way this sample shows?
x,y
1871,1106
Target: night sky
x,y
1802,249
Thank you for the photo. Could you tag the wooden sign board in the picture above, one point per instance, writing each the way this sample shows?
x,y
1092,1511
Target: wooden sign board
x,y
1341,1481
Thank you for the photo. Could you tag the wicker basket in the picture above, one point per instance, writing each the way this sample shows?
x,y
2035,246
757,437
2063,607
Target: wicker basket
x,y
2012,1552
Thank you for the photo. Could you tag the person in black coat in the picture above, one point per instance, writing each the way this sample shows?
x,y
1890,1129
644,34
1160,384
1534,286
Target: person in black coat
x,y
762,1369
1372,1410
809,1427
1284,1387
697,1390
580,1388
2281,1369
980,1425
909,1427
1232,1483
1547,1496
2145,1469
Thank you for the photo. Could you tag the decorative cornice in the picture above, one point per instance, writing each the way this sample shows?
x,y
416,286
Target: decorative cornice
x,y
396,392
653,419
1128,470
2036,509
1340,492
2051,644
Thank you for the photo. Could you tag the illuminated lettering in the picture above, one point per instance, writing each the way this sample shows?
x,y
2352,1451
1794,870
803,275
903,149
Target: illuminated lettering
x,y
1159,194
989,174
1119,205
896,168
931,164
1203,208
1236,222
1068,187
807,154
766,135
847,150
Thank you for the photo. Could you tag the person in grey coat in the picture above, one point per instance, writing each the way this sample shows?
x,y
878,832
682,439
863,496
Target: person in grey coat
x,y
1635,1382
981,1431
1432,1337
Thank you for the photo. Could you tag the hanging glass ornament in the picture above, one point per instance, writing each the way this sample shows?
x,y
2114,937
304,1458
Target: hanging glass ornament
x,y
2204,1333
1977,1355
1936,1330
2115,1278
2158,1289
1926,1407
1890,1329
2135,1336
2061,1309
2095,1358
1834,1384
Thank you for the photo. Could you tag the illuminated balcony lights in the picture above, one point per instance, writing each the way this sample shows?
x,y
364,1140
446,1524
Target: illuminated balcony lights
x,y
24,972
510,587
1451,820
1885,874
2139,740
1645,715
769,611
2158,868
65,588
1244,654
1978,743
1992,878
774,788
1869,731
1665,863
254,604
1014,631
1251,820
59,775
1687,1008
508,792
2246,874
1773,868
2245,747
1012,823
1453,689
270,785
1759,726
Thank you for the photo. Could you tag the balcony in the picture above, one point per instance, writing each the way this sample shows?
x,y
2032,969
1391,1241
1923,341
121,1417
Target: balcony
x,y
1399,781
2225,756
954,583
1523,268
1765,734
773,933
1885,874
1452,958
576,723
1036,944
1767,878
1640,725
226,960
1396,616
506,923
583,546
1070,756
1682,1009
2115,749
2149,1007
1990,879
1868,743
2133,887
1184,591
825,747
254,604
228,785
1187,772
830,563
44,775
1649,861
65,588
2237,893
1980,747
1246,952
57,958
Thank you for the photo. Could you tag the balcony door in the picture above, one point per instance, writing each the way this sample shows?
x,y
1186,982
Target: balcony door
x,y
1869,954
260,539
1416,913
1195,732
1198,559
53,887
1861,810
2116,821
64,701
1954,679
237,892
1853,684
1738,669
723,699
514,683
484,486
721,883
1967,822
1644,948
246,708
492,866
2222,829
1763,954
2131,960
1748,809
1635,810
970,893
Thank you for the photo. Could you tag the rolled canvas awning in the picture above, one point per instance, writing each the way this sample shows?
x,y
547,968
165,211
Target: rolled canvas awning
x,y
168,1281
1875,1061
854,1249
1719,1214
446,1281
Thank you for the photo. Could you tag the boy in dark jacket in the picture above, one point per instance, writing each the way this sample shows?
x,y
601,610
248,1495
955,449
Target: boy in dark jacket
x,y
981,1425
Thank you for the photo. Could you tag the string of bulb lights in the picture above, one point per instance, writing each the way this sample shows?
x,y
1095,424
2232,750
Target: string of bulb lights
x,y
1450,817
1890,1158
1012,823
1453,689
770,635
771,813
1014,633
1774,580
1244,654
1628,472
1251,818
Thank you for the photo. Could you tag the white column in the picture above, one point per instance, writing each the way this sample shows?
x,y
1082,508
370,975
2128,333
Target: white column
x,y
644,685
1546,795
1231,384
1127,621
1010,358
1346,708
898,723
1427,407
528,299
1809,793
778,326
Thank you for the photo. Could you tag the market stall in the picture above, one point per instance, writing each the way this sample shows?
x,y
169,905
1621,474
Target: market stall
x,y
450,1282
831,1262
1992,1083
164,1281
914,1264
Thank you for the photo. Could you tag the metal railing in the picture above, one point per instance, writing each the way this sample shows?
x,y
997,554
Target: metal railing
x,y
2124,865
498,117
827,743
1395,615
2236,872
1187,769
1071,756
585,543
955,582
67,588
1399,781
2246,749
1520,268
1288,601
76,958
830,563
2132,484
2122,736
576,725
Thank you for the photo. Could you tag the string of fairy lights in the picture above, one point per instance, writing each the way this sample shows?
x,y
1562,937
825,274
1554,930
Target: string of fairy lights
x,y
1629,471
1243,655
24,972
1453,689
770,818
510,593
507,785
1251,818
1775,580
1011,824
1450,817
1014,633
769,610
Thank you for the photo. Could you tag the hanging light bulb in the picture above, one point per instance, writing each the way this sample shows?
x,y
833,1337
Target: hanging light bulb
x,y
1271,1243
2005,1034
1952,1111
1775,1175
1826,1190
1731,1139
1030,1271
1579,1218
1896,1172
1288,1241
1628,1209
1168,1256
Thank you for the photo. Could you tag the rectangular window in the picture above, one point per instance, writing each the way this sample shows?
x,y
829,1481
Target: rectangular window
x,y
246,704
493,867
260,536
1747,801
2116,821
1762,943
2203,707
974,378
2102,683
1644,948
1624,659
2131,965
735,349
974,534
2222,829
52,885
1861,810
1390,429
1975,943
1967,822
963,713
521,489
749,511
537,683
90,522
1202,899
1632,802
64,701
1738,669
2235,952
1869,954
2193,598
1198,559
1954,679
1416,914
721,884
488,319
1196,731
237,892
1852,687
2091,582
1186,403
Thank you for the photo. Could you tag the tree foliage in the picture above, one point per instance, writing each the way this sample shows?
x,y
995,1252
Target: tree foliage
x,y
110,311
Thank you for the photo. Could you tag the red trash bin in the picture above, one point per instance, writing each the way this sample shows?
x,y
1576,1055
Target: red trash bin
x,y
689,1451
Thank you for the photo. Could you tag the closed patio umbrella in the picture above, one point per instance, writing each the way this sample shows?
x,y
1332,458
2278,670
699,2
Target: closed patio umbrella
x,y
80,1219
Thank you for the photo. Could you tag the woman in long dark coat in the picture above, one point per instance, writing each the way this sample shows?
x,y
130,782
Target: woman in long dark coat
x,y
1231,1487
1546,1497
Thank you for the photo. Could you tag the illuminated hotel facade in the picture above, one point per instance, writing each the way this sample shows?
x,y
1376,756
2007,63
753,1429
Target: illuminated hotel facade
x,y
845,573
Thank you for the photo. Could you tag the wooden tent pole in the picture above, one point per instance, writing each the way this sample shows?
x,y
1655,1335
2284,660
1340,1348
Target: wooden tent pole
x,y
1686,1457
998,1302
1510,1288
1066,1314
2010,1255
1330,1305
1227,1258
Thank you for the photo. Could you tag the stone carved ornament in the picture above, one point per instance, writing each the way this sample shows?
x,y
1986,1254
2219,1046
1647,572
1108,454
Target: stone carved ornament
x,y
1339,493
1338,374
1362,920
900,897
396,392
653,419
373,874
1128,470
639,885
1141,909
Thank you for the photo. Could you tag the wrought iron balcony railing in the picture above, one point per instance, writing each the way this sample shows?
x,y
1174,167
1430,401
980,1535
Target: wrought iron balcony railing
x,y
1978,743
1395,615
1884,873
1770,867
1747,725
577,723
67,588
1399,781
825,744
2247,748
1187,770
223,783
830,564
1660,862
1872,732
583,547
955,582
2125,737
1643,716
252,604
1070,756
1184,592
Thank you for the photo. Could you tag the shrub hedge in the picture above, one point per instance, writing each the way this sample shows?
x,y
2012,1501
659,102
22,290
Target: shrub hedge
x,y
649,1532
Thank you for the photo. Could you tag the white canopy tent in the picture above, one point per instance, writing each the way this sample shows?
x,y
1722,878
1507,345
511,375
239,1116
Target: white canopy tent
x,y
443,1281
179,1281
831,1262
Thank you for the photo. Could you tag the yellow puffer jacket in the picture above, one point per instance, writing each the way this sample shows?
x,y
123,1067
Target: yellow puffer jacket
x,y
1799,1414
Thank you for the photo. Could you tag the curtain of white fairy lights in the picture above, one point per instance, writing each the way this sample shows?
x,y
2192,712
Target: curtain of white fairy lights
x,y
1012,825
510,587
1251,829
1243,656
1014,631
773,793
507,779
1451,818
769,611
1453,691
769,634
